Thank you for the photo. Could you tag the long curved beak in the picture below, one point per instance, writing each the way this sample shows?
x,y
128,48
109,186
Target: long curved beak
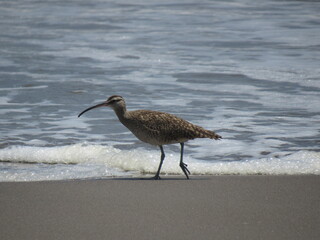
x,y
96,106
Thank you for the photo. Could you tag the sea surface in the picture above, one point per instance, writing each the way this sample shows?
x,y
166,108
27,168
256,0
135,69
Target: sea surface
x,y
249,70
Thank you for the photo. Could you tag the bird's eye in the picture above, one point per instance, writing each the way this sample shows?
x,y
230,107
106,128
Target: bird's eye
x,y
114,100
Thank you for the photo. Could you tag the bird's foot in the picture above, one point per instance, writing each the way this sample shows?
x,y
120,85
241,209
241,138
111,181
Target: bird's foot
x,y
156,177
185,169
151,178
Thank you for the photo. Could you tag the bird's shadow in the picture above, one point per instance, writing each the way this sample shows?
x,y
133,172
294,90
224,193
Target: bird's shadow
x,y
166,178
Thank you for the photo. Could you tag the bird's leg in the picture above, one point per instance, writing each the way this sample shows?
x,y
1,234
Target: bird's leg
x,y
157,176
182,164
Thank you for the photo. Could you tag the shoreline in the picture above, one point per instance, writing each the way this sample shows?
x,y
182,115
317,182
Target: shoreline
x,y
204,207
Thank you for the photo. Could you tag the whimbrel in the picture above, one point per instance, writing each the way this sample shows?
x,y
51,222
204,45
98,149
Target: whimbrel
x,y
156,128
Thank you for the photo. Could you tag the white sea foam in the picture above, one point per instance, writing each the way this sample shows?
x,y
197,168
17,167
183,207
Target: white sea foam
x,y
87,161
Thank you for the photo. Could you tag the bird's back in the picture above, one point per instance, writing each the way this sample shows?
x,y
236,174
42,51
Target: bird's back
x,y
159,128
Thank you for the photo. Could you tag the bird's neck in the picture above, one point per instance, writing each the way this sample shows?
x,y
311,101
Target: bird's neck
x,y
121,113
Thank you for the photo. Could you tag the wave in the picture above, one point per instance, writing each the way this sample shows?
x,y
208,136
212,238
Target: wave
x,y
146,161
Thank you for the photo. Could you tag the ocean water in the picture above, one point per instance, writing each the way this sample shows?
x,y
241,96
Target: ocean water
x,y
248,70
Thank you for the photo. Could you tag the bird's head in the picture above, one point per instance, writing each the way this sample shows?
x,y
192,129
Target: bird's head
x,y
115,102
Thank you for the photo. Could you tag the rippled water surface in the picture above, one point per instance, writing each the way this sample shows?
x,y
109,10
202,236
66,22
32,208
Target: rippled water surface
x,y
248,70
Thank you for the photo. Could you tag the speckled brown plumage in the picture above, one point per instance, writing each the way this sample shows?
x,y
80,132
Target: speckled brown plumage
x,y
156,128
159,128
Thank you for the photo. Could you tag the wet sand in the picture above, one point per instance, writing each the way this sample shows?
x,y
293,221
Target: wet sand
x,y
214,207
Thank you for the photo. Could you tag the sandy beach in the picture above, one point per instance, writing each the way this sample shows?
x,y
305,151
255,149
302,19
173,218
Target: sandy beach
x,y
213,207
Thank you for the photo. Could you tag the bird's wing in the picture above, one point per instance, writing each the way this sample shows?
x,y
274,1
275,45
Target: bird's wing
x,y
165,123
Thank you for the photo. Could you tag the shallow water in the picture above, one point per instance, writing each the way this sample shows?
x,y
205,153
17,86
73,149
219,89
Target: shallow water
x,y
250,71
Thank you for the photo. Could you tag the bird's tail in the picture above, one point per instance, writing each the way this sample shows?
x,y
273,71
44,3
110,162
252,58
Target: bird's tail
x,y
204,133
212,135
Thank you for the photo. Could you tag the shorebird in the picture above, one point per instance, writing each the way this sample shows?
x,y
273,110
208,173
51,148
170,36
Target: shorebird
x,y
156,128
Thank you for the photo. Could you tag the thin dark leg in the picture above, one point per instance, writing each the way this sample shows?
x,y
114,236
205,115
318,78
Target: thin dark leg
x,y
157,176
182,164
